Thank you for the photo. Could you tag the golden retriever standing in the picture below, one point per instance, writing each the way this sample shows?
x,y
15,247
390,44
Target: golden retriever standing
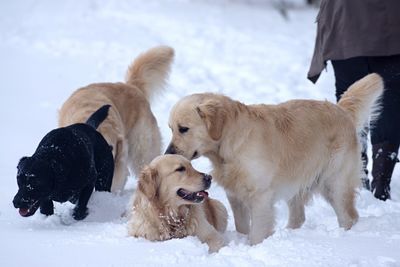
x,y
263,153
170,202
130,128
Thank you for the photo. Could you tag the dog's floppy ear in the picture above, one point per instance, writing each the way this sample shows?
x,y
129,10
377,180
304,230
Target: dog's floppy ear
x,y
21,163
148,182
214,116
22,160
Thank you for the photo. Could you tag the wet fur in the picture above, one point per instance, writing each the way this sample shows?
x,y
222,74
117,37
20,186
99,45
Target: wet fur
x,y
159,214
67,165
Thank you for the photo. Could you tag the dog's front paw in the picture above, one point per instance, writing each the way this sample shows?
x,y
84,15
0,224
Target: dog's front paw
x,y
215,243
256,237
80,214
47,208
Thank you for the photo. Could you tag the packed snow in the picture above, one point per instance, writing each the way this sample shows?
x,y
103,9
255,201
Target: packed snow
x,y
249,52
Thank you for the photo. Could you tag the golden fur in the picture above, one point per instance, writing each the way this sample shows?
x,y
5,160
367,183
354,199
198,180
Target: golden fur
x,y
263,153
130,128
158,213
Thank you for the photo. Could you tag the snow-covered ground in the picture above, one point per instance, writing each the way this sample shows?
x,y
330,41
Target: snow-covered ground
x,y
249,52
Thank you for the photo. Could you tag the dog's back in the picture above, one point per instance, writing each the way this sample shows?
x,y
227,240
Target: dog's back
x,y
262,153
308,137
75,147
97,146
130,127
69,153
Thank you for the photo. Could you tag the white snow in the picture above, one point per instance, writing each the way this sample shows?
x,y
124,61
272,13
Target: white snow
x,y
247,51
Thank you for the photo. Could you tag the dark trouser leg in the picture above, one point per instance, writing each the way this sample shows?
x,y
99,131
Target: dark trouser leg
x,y
364,157
347,72
384,157
385,132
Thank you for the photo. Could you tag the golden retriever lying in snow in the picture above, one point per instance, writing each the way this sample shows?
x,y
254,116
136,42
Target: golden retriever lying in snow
x,y
130,128
263,153
170,202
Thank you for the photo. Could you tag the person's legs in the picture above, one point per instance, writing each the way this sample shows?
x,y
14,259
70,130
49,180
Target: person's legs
x,y
385,133
347,72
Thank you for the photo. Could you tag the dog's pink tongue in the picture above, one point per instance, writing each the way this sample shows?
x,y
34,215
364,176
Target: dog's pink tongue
x,y
23,212
203,194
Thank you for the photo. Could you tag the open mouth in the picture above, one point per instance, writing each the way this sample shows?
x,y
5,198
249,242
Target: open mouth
x,y
26,212
195,197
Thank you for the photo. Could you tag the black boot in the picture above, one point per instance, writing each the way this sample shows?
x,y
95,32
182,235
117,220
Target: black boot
x,y
364,158
364,177
384,157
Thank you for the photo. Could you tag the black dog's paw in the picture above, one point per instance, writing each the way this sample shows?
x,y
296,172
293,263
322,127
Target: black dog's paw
x,y
46,212
47,208
80,214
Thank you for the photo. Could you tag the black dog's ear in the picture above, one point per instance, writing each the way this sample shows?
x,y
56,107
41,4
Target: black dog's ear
x,y
22,160
148,182
21,163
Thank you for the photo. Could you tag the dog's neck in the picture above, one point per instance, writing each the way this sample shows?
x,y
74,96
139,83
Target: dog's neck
x,y
231,143
175,219
170,221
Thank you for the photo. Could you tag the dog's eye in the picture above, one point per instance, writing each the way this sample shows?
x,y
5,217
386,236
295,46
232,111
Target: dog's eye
x,y
183,129
181,169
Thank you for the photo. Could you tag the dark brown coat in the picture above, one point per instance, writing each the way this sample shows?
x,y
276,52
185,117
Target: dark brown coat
x,y
352,28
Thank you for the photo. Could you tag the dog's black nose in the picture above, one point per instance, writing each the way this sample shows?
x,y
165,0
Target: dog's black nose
x,y
170,149
16,202
207,180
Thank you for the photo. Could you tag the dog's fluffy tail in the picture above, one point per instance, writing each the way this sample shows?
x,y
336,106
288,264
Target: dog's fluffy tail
x,y
150,70
361,100
98,116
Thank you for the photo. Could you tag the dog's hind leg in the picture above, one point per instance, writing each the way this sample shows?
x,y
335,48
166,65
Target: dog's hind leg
x,y
121,171
81,211
241,214
296,210
144,144
341,195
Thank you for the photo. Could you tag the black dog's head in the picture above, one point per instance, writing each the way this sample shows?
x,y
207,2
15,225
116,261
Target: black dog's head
x,y
35,184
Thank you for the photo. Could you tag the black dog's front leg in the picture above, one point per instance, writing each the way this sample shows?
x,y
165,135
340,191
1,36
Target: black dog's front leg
x,y
80,210
47,207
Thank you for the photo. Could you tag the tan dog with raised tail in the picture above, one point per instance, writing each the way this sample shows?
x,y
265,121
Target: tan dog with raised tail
x,y
130,128
263,153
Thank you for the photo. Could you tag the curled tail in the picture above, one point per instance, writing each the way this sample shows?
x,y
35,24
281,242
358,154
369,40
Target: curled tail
x,y
98,116
150,70
361,100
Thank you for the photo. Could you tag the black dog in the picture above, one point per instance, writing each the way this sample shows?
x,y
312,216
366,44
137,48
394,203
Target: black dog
x,y
67,165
